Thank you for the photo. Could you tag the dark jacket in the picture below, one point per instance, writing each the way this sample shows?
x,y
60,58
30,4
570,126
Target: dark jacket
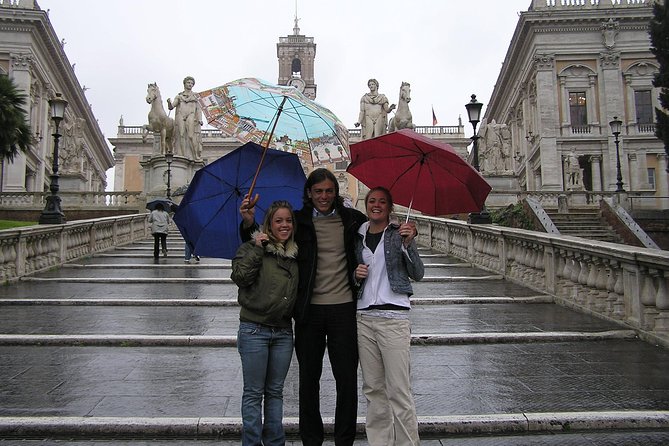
x,y
267,279
305,237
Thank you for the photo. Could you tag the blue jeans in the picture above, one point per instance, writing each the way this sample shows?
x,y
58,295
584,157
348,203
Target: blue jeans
x,y
188,252
266,353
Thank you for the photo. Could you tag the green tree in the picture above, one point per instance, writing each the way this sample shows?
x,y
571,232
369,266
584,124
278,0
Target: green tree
x,y
14,128
659,39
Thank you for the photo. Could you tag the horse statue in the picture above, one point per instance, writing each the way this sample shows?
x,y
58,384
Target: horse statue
x,y
402,118
158,120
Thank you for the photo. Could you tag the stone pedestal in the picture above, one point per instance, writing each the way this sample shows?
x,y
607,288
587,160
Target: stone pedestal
x,y
155,175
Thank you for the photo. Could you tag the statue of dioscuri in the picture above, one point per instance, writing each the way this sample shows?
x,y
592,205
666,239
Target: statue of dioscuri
x,y
188,121
158,120
402,118
374,109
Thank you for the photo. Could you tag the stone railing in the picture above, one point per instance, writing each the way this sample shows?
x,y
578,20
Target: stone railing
x,y
456,130
76,200
621,283
31,249
587,4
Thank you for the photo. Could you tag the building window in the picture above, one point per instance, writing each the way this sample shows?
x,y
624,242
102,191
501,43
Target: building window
x,y
651,177
644,107
341,165
577,109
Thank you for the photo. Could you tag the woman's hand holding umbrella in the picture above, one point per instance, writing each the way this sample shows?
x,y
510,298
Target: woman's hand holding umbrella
x,y
248,211
408,232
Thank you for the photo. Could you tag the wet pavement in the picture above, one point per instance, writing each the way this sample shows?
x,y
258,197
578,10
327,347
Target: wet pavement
x,y
116,349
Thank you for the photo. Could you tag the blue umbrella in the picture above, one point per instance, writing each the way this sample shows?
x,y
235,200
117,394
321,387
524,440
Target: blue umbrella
x,y
208,215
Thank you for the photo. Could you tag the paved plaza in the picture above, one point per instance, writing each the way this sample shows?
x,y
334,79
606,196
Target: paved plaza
x,y
118,349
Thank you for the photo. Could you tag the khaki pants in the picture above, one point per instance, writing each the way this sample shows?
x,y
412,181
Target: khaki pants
x,y
383,347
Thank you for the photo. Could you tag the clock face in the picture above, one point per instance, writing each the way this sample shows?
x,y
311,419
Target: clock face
x,y
297,83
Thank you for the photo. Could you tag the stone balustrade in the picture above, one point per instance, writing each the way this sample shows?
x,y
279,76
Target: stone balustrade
x,y
31,249
73,200
617,282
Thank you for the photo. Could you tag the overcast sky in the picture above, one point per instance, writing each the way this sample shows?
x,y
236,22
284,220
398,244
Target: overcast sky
x,y
446,49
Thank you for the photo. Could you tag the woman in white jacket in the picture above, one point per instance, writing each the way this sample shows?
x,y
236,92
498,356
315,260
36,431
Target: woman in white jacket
x,y
388,258
160,222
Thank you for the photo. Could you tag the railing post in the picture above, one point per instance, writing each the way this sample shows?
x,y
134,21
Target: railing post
x,y
21,255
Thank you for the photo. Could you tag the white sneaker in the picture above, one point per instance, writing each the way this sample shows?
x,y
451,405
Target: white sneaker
x,y
197,259
186,260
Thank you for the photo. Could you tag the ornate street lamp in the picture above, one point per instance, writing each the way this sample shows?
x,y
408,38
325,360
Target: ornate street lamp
x,y
616,125
52,213
474,113
168,158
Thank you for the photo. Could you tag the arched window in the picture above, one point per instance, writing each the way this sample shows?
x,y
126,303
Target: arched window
x,y
296,66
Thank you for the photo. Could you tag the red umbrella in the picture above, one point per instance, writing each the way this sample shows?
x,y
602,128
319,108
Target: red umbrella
x,y
421,173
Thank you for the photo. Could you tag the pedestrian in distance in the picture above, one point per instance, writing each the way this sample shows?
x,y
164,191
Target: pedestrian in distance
x,y
265,270
325,309
160,221
387,260
189,252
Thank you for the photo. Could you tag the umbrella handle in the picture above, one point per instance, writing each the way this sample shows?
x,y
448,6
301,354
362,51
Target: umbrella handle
x,y
253,201
262,158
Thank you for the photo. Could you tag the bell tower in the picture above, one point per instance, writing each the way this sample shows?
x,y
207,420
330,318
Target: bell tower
x,y
296,54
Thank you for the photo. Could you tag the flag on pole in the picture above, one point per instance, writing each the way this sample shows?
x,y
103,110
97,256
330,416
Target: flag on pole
x,y
434,117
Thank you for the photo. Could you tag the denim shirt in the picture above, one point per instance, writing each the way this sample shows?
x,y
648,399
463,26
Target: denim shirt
x,y
402,265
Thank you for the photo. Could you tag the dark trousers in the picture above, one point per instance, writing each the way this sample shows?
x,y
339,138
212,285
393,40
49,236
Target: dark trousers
x,y
333,326
159,238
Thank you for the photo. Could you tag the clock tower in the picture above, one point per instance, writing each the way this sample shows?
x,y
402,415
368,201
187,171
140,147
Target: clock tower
x,y
296,54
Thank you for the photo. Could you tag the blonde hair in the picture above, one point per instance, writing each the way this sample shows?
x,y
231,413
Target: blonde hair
x,y
269,215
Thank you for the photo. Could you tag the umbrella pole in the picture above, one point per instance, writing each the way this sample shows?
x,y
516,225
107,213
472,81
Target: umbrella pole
x,y
413,194
254,200
409,210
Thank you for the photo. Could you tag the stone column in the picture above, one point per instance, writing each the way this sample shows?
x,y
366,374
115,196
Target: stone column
x,y
614,105
14,178
634,173
662,180
591,104
596,172
548,122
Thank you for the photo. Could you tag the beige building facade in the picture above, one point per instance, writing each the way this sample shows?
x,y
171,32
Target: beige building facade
x,y
34,58
571,69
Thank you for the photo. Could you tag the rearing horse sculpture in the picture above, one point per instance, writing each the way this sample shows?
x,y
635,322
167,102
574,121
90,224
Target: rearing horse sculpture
x,y
159,121
402,118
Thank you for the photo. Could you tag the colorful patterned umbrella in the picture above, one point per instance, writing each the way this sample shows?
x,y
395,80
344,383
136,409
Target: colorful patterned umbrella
x,y
248,109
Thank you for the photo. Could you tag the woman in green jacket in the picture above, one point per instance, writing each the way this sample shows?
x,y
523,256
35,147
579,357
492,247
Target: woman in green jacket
x,y
265,270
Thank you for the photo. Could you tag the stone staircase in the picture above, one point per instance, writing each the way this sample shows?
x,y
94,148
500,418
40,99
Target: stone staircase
x,y
584,223
117,349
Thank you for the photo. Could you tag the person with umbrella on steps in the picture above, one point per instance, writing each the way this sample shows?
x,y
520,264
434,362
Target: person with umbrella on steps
x,y
160,221
387,260
266,272
324,313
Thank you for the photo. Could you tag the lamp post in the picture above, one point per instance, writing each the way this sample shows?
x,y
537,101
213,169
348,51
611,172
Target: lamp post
x,y
616,125
168,158
52,212
474,113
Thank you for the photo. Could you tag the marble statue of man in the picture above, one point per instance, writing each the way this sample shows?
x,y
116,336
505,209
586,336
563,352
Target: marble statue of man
x,y
374,109
187,121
